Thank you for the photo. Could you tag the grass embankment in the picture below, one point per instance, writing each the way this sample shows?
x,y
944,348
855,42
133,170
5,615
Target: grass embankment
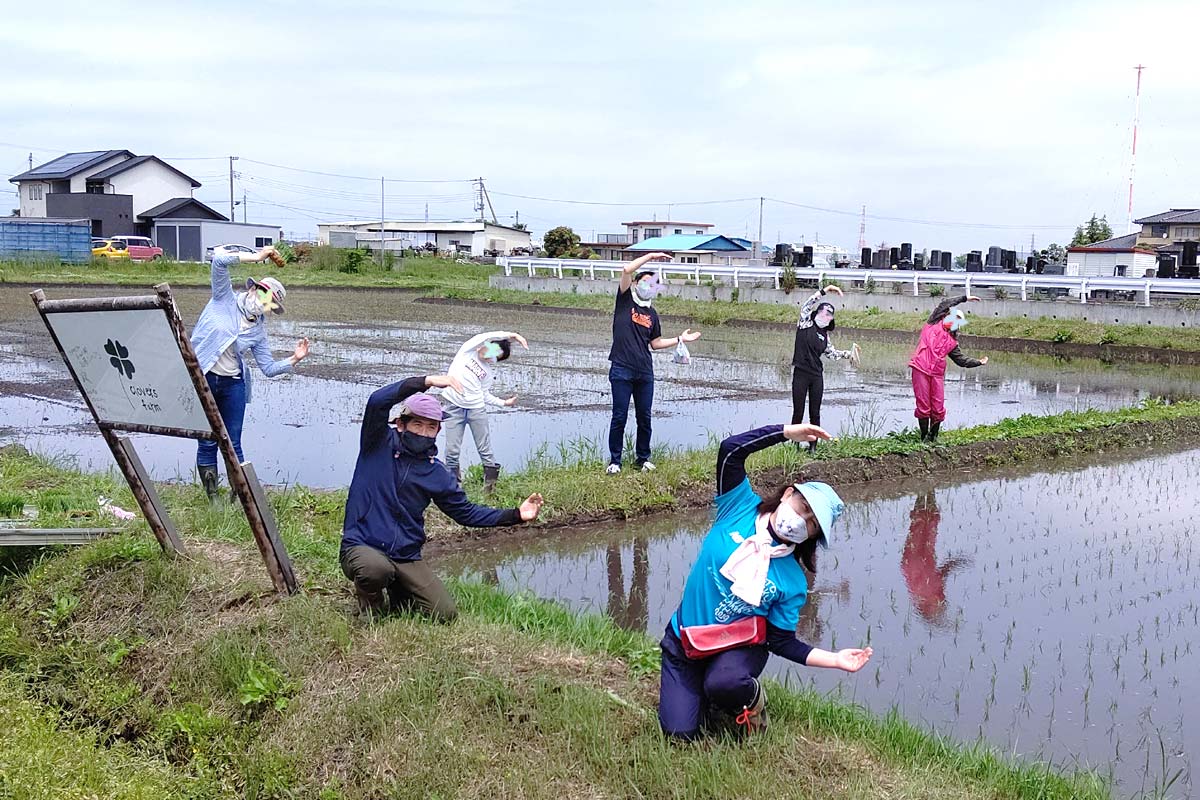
x,y
130,675
444,278
577,491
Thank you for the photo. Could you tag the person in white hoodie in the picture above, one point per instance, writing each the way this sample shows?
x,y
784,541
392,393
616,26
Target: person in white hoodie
x,y
473,367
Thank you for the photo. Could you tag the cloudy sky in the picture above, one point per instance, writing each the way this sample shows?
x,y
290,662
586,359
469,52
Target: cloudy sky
x,y
958,125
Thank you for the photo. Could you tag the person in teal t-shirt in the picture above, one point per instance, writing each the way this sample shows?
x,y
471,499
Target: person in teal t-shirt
x,y
752,564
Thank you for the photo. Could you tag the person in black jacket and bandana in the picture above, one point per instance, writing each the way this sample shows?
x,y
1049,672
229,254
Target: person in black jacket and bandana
x,y
813,344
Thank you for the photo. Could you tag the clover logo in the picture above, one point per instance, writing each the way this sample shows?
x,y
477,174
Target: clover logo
x,y
119,358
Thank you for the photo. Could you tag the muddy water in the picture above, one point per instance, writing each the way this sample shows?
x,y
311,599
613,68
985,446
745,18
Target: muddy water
x,y
1050,614
304,427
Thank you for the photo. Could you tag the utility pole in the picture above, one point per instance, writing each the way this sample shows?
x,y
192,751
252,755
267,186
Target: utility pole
x,y
758,243
518,223
31,160
1137,109
232,159
244,206
427,212
382,218
862,229
488,198
479,198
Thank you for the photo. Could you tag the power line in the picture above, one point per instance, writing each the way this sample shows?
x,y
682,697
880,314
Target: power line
x,y
357,177
936,223
635,205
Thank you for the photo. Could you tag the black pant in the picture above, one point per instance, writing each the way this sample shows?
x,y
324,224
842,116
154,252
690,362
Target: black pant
x,y
806,384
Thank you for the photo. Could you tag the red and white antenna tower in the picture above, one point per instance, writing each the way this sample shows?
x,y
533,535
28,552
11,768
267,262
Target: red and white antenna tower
x,y
1137,110
862,229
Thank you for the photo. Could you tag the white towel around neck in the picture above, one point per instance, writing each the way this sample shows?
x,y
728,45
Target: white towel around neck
x,y
747,566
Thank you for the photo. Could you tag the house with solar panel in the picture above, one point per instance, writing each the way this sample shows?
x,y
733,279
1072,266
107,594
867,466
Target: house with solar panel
x,y
123,194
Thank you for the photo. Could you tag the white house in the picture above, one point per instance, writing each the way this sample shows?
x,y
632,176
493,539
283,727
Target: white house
x,y
126,194
1116,257
478,238
148,179
641,230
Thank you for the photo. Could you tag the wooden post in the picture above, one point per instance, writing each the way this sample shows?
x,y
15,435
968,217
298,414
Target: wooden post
x,y
143,491
268,515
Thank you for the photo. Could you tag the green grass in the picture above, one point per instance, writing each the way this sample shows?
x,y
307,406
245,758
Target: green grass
x,y
574,487
421,273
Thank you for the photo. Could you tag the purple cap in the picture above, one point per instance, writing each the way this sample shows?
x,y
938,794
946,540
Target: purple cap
x,y
422,405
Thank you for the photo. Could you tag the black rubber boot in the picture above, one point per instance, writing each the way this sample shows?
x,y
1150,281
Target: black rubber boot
x,y
457,473
934,427
490,476
211,482
812,447
923,424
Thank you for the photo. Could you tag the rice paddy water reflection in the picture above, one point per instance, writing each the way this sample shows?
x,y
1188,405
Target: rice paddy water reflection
x,y
1051,614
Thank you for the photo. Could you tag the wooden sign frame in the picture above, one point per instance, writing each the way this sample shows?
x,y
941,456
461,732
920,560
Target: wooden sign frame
x,y
242,477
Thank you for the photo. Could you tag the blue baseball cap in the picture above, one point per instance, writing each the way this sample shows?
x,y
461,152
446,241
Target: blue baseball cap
x,y
825,504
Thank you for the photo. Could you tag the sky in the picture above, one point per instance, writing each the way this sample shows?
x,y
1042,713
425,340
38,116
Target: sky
x,y
958,125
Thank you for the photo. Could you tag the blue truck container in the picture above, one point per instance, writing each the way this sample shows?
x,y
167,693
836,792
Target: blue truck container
x,y
30,239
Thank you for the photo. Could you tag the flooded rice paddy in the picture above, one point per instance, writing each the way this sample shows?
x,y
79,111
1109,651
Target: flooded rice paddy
x,y
303,428
1051,614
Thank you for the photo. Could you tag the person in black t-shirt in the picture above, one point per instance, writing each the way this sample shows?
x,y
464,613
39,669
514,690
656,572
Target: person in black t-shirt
x,y
813,343
636,331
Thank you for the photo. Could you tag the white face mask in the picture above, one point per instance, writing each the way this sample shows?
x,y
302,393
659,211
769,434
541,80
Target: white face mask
x,y
646,289
250,305
822,320
789,525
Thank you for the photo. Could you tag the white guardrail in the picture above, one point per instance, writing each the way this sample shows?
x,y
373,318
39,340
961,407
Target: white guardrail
x,y
1083,286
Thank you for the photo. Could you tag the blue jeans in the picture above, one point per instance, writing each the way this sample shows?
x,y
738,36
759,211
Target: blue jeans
x,y
639,385
230,394
727,680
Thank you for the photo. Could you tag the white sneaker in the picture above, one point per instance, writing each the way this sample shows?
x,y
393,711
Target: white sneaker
x,y
613,469
648,466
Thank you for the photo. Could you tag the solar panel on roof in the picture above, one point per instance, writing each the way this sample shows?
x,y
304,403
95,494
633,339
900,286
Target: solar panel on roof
x,y
68,162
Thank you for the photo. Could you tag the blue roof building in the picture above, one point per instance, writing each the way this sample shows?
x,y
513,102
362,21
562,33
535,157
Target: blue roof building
x,y
693,248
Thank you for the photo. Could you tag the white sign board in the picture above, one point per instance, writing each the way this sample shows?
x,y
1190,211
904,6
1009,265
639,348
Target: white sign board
x,y
130,367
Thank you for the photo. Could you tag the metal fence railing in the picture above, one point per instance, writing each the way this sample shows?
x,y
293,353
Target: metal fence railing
x,y
1020,284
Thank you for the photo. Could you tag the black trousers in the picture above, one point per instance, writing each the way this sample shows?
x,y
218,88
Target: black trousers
x,y
807,385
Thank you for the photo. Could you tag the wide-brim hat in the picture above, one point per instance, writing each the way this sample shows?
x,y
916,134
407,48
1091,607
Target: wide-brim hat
x,y
278,293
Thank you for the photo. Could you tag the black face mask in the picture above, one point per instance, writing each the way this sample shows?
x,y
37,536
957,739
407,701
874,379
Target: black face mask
x,y
417,445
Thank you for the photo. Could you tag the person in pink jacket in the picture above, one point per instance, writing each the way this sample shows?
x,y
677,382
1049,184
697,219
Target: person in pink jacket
x,y
939,341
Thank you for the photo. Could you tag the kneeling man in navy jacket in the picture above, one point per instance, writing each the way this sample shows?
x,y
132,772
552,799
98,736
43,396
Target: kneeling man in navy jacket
x,y
395,478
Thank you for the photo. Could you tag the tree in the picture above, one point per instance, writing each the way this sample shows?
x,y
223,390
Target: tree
x,y
960,261
1055,254
561,242
1094,230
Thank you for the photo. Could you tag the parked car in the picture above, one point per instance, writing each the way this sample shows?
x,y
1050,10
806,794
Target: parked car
x,y
140,248
228,248
109,248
